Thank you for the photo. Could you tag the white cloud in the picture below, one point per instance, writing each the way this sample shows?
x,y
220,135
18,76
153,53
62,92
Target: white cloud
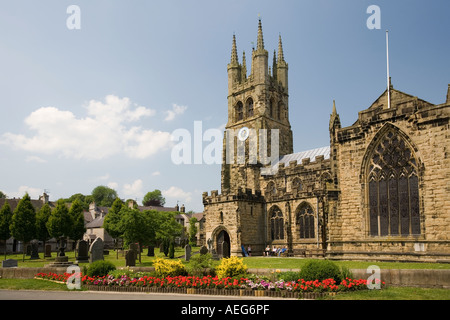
x,y
176,110
35,159
177,194
113,185
104,132
34,193
134,189
156,173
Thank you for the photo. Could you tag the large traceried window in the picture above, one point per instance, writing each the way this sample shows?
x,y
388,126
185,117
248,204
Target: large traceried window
x,y
393,188
276,224
305,221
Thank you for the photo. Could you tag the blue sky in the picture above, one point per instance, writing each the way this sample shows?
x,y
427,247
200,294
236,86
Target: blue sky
x,y
96,105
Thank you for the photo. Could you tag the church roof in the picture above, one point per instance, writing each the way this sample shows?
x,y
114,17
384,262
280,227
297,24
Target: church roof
x,y
311,154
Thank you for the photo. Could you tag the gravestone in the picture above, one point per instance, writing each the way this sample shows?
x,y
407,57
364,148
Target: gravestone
x,y
135,247
130,258
9,263
82,250
203,250
187,252
151,251
48,251
96,250
34,250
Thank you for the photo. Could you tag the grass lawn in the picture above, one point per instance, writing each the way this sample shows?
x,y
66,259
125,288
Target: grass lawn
x,y
251,262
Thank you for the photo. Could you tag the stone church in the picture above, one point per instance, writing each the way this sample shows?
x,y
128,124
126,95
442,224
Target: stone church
x,y
380,190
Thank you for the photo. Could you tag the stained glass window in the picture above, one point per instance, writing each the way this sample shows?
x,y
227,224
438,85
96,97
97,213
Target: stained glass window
x,y
393,188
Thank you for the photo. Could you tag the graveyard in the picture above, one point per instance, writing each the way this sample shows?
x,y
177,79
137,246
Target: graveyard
x,y
135,272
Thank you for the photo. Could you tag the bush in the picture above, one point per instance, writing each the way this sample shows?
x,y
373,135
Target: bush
x,y
165,267
231,267
100,268
288,276
320,270
199,263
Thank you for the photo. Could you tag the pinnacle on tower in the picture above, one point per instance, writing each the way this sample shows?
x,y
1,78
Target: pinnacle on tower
x,y
260,41
234,56
280,50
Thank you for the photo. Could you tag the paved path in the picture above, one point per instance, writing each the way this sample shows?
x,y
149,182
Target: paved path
x,y
95,295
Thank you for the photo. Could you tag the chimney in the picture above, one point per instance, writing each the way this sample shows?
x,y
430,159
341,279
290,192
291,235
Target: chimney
x,y
182,209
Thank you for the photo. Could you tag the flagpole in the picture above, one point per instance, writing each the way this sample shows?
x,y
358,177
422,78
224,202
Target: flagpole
x,y
387,70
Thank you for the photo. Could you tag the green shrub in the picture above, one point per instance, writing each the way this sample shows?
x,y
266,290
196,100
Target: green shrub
x,y
199,263
288,276
100,268
320,270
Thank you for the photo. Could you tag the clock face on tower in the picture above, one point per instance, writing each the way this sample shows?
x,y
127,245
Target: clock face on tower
x,y
243,133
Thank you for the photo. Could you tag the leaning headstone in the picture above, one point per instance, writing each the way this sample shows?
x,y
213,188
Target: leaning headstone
x,y
34,250
48,251
203,250
82,251
9,263
130,258
187,252
96,250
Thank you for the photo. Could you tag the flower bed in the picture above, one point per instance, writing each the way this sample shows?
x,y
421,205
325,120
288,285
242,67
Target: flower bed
x,y
214,285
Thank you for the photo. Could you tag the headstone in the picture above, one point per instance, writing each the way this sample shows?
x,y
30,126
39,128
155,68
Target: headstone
x,y
151,251
9,263
28,250
203,250
130,258
135,247
187,252
82,251
96,250
34,250
48,251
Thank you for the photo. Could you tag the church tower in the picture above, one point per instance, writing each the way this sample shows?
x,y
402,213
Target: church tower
x,y
257,104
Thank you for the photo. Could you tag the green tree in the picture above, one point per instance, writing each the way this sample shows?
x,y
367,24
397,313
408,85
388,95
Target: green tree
x,y
5,221
154,198
193,231
42,217
23,222
113,222
59,224
2,195
104,196
77,216
84,200
135,227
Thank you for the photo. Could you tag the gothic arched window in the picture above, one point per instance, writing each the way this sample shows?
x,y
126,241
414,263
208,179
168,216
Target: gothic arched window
x,y
250,107
239,111
393,188
276,224
305,221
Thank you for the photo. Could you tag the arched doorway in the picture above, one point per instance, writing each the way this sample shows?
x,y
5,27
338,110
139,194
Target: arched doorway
x,y
223,244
